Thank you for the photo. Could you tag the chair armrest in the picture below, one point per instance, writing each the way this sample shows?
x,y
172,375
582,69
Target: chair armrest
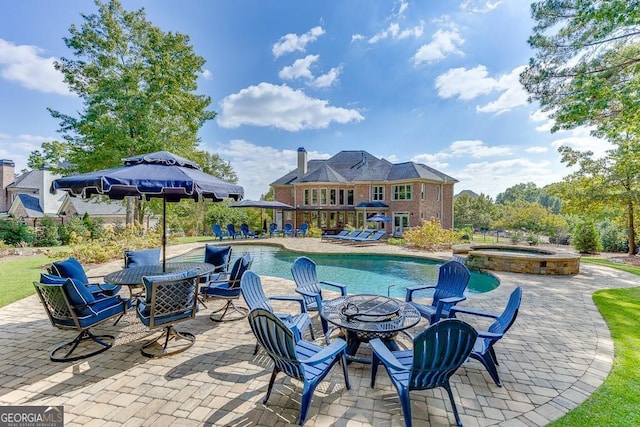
x,y
389,360
490,335
473,311
293,298
451,300
340,286
412,289
337,346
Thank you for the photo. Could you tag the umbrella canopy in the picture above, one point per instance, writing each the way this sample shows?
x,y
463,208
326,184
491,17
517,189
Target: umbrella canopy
x,y
160,175
379,218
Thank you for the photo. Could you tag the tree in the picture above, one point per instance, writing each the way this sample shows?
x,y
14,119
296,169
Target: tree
x,y
529,193
586,67
53,154
137,86
475,211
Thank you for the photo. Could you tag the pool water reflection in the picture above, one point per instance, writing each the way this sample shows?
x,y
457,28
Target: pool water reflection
x,y
363,274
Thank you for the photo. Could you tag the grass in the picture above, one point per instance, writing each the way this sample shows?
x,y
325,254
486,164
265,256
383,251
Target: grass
x,y
616,402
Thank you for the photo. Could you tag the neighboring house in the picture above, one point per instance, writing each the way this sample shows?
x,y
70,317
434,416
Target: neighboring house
x,y
353,185
28,198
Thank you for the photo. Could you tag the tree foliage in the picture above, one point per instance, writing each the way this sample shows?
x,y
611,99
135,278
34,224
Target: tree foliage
x,y
475,211
530,193
586,67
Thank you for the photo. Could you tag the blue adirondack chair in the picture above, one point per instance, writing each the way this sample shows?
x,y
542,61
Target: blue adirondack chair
x,y
288,230
308,285
483,349
254,296
437,353
217,231
297,358
303,229
71,306
453,278
231,229
226,286
244,228
273,230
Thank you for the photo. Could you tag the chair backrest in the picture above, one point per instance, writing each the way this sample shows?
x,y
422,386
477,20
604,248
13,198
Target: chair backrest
x,y
217,230
56,305
378,235
508,316
253,293
288,228
141,257
240,266
70,268
304,228
273,227
306,278
438,352
171,297
220,256
231,229
244,228
453,278
277,340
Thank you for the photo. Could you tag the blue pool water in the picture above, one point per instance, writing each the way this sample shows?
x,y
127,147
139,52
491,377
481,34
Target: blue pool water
x,y
363,274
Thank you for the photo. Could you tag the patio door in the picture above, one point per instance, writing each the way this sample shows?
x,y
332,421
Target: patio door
x,y
400,222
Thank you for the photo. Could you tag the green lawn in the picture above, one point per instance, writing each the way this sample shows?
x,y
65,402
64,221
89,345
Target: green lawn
x,y
615,403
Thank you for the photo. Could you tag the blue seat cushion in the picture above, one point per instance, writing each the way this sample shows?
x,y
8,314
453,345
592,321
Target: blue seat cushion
x,y
70,268
108,290
142,257
218,256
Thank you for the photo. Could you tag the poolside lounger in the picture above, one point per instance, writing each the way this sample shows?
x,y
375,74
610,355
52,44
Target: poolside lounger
x,y
340,235
374,238
362,235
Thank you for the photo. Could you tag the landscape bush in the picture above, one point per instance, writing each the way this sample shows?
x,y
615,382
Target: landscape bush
x,y
15,233
585,238
431,236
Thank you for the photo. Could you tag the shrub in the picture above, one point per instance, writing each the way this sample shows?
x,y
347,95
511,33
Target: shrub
x,y
47,235
15,233
431,236
533,239
612,238
586,239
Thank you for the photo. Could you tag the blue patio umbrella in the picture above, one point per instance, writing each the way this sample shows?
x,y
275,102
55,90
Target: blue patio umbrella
x,y
161,175
379,218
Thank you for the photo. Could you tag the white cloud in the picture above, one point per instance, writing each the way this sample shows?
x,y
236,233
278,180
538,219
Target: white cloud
x,y
24,65
300,68
477,149
206,74
281,107
536,149
479,6
443,43
468,84
542,116
465,83
432,160
327,79
254,174
393,31
580,139
18,148
357,37
295,43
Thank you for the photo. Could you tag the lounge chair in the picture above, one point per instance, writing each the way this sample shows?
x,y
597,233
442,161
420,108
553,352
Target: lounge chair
x,y
254,296
363,241
339,238
344,232
364,234
299,359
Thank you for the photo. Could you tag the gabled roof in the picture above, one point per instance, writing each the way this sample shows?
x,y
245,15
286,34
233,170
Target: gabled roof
x,y
30,203
360,166
31,180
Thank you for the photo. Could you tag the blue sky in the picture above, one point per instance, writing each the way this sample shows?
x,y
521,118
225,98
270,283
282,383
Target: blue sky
x,y
434,82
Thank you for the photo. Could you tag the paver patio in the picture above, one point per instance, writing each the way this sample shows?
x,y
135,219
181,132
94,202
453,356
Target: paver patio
x,y
556,354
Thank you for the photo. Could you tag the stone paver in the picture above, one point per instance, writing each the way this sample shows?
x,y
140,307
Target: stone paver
x,y
556,354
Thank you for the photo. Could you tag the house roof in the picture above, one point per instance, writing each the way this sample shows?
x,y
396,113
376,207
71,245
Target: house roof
x,y
31,180
31,205
94,207
358,165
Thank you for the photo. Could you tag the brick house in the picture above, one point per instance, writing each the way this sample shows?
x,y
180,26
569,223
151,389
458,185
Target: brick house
x,y
353,185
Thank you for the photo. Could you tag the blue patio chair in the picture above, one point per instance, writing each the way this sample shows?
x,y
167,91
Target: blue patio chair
x,y
375,237
342,233
288,230
231,229
483,348
363,235
437,353
70,306
244,228
299,359
303,229
218,256
71,268
169,299
273,230
226,286
254,296
307,284
142,257
217,231
453,278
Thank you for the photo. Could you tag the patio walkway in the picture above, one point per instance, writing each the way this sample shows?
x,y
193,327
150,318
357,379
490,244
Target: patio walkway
x,y
556,354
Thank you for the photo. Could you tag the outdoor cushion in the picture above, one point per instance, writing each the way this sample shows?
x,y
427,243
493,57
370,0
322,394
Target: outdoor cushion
x,y
142,257
52,279
72,268
218,256
78,294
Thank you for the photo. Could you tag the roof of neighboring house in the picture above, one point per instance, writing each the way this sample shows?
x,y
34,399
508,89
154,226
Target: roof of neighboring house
x,y
31,204
31,180
469,193
95,207
354,166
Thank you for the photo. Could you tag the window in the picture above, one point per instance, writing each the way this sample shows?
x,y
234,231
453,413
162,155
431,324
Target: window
x,y
378,193
341,197
323,196
438,195
314,196
306,196
349,197
401,192
422,191
332,196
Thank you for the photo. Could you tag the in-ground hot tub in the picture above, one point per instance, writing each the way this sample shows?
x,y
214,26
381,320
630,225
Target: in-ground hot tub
x,y
519,259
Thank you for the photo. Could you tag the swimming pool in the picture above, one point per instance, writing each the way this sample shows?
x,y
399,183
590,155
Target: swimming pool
x,y
363,274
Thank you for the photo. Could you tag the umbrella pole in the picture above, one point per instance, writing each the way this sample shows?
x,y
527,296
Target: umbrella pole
x,y
164,234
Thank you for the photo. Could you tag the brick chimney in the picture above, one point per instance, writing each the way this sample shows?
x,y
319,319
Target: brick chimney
x,y
7,176
302,162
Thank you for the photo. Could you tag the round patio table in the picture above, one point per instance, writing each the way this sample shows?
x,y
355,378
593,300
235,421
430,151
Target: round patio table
x,y
362,318
132,277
